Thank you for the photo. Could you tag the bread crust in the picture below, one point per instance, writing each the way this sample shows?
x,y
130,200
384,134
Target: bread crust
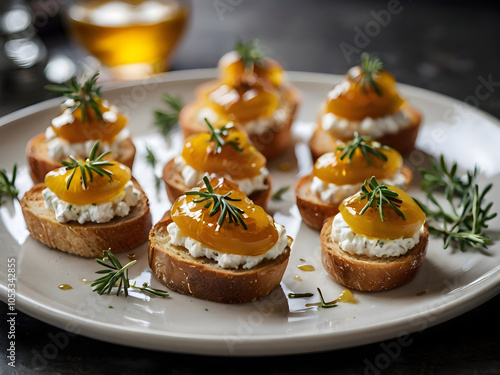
x,y
202,278
270,143
323,141
88,239
175,186
40,163
313,210
370,274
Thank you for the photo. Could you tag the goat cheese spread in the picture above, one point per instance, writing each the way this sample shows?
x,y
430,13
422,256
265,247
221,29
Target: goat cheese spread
x,y
192,177
97,213
357,244
227,261
374,127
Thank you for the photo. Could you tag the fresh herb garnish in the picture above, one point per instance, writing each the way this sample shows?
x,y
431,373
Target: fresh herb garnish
x,y
360,142
300,295
467,213
8,187
378,196
278,194
166,121
323,303
151,160
220,203
370,66
87,168
116,273
83,93
250,53
218,135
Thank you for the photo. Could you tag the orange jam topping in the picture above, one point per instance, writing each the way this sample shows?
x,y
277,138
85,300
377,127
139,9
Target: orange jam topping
x,y
69,124
332,169
200,153
194,221
356,99
99,190
369,224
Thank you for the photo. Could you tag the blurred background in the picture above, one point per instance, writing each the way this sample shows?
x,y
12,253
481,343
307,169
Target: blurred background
x,y
437,45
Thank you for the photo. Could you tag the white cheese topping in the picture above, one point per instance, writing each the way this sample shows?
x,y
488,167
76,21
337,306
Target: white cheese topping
x,y
275,122
192,177
374,127
97,213
224,260
357,244
60,149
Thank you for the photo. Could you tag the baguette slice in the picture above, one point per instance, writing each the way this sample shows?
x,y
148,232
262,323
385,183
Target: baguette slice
x,y
88,239
370,274
203,278
323,141
270,143
313,210
40,163
176,187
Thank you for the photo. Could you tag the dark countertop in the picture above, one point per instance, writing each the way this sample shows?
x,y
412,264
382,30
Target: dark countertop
x,y
440,46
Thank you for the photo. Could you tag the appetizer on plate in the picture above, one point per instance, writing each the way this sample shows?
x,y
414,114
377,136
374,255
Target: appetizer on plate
x,y
216,244
88,206
225,152
339,174
377,241
84,119
251,92
366,102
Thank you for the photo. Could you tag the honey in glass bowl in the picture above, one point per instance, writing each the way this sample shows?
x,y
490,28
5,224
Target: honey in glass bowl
x,y
134,38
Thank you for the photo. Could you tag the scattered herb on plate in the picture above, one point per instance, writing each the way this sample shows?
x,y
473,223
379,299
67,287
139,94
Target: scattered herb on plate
x,y
278,194
166,121
8,186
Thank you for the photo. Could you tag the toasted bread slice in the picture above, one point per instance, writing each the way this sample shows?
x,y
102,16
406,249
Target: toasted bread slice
x,y
203,278
370,274
270,143
176,187
40,163
88,239
323,141
313,210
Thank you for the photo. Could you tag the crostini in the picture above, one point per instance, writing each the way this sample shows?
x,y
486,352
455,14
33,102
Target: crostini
x,y
251,92
377,241
85,118
339,174
225,152
366,101
88,206
216,244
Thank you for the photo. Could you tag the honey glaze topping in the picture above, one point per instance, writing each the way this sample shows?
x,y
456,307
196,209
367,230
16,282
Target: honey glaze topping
x,y
236,157
70,126
192,216
394,226
366,91
100,189
336,169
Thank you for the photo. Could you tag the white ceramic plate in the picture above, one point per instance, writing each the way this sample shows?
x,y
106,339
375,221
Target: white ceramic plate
x,y
448,284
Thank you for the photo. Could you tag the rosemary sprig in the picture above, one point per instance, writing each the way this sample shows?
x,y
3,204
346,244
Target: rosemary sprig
x,y
278,194
8,186
358,141
218,137
83,93
467,215
220,203
378,196
152,161
250,53
116,273
166,121
92,165
370,66
300,295
323,303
